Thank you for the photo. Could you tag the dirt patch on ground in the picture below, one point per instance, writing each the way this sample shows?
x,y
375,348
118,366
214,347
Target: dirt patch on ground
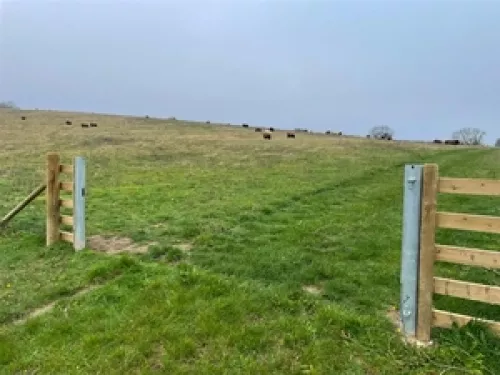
x,y
116,245
48,307
315,290
394,317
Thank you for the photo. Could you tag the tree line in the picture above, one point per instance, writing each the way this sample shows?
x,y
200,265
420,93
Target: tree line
x,y
8,105
466,136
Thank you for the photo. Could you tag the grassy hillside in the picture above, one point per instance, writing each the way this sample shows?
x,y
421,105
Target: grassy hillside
x,y
244,256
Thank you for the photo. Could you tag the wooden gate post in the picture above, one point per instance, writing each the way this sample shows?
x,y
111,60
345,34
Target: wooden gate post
x,y
427,251
52,200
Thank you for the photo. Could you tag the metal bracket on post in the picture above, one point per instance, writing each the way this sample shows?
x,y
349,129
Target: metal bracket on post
x,y
410,248
79,203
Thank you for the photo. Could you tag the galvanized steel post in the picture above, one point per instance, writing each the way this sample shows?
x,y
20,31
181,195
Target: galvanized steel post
x,y
410,248
79,203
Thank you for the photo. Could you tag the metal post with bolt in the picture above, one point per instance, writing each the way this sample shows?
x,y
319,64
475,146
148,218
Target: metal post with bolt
x,y
410,248
79,203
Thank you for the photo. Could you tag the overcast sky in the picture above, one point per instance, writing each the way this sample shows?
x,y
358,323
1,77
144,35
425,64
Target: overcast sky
x,y
424,68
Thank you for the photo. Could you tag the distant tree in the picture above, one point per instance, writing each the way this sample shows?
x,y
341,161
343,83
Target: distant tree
x,y
469,136
382,132
497,143
9,105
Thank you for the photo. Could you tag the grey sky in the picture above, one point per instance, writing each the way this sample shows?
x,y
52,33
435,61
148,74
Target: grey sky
x,y
424,68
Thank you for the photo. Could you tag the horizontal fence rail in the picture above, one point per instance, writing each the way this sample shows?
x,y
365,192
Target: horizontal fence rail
x,y
468,256
66,169
445,319
66,203
469,186
66,236
66,186
467,290
475,223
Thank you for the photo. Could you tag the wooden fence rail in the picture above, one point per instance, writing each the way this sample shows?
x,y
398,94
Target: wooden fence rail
x,y
35,193
420,251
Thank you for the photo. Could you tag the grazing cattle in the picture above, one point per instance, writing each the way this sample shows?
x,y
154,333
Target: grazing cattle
x,y
437,141
266,135
93,125
258,130
245,125
84,125
290,135
68,122
23,118
328,132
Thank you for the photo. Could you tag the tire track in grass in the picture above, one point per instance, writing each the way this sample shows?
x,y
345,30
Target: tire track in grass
x,y
361,245
276,218
50,306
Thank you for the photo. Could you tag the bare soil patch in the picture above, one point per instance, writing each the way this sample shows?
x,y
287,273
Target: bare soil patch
x,y
395,319
116,245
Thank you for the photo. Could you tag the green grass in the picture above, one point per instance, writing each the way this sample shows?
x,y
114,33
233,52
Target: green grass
x,y
241,226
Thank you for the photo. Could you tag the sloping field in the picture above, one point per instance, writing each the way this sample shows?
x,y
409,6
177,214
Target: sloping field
x,y
217,252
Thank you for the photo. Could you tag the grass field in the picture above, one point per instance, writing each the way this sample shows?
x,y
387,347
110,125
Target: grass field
x,y
252,256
